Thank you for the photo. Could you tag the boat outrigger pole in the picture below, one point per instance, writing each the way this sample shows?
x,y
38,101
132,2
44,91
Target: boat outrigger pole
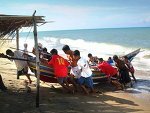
x,y
37,60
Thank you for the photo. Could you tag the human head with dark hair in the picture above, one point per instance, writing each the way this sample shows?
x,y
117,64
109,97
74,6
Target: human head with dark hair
x,y
100,60
76,54
45,49
66,49
115,58
125,57
109,58
89,55
54,52
9,52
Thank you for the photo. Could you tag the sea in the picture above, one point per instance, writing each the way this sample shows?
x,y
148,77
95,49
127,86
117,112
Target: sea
x,y
102,43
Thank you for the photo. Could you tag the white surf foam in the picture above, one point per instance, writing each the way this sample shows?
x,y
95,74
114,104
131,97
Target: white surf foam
x,y
99,49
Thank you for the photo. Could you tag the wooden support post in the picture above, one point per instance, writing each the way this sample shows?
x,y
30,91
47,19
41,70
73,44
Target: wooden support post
x,y
17,46
17,39
37,60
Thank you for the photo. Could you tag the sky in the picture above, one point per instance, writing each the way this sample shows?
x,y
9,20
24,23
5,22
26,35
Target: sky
x,y
82,14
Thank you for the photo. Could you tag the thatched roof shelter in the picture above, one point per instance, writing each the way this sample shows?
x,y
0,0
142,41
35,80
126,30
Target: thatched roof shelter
x,y
10,23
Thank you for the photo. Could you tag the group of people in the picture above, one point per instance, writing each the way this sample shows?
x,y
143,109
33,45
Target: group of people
x,y
120,70
80,73
79,69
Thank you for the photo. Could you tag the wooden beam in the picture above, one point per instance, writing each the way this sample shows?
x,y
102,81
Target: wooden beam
x,y
17,39
37,60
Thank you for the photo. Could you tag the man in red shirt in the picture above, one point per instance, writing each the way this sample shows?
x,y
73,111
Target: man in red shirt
x,y
110,71
60,66
107,68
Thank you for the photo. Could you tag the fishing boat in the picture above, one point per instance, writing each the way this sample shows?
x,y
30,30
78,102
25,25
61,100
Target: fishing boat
x,y
47,73
132,54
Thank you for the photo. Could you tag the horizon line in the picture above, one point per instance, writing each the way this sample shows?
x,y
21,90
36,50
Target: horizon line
x,y
88,29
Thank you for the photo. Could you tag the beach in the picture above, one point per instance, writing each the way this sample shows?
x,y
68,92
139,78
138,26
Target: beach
x,y
52,100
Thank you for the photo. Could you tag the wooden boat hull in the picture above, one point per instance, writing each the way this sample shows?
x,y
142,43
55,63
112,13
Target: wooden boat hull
x,y
47,73
132,54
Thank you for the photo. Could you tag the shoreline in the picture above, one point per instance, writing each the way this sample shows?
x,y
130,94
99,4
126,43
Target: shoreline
x,y
17,100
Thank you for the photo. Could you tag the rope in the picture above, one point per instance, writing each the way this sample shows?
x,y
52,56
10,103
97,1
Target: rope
x,y
28,33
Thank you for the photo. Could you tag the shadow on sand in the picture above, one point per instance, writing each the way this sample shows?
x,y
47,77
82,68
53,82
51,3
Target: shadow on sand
x,y
52,100
79,103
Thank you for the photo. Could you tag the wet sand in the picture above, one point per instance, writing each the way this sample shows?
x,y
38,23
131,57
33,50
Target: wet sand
x,y
52,100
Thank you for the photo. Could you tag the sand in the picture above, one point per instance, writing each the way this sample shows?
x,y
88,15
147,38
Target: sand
x,y
52,100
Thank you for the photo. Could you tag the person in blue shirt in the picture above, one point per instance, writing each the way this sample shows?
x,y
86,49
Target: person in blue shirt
x,y
110,61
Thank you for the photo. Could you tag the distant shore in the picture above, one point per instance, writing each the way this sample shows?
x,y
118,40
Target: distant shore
x,y
52,100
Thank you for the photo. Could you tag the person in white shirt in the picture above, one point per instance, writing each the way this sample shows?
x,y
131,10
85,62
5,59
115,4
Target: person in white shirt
x,y
86,73
22,66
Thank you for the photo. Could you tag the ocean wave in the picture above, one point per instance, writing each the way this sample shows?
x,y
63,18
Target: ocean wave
x,y
146,56
99,49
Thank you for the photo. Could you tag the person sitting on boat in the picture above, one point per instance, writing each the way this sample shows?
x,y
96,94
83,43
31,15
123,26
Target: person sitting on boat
x,y
45,54
22,66
25,50
110,61
74,72
123,70
92,60
40,47
110,72
60,66
130,67
86,73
